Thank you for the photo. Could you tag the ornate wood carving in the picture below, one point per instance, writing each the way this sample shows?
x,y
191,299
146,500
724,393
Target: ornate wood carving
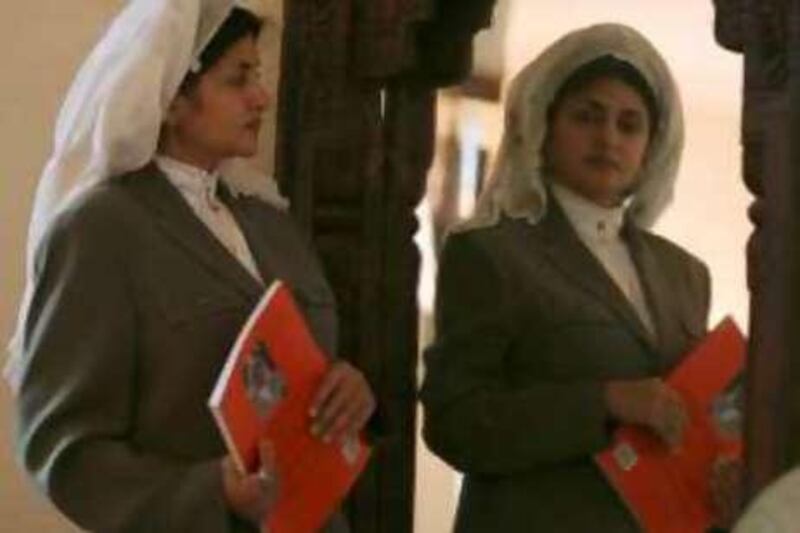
x,y
766,31
728,24
355,135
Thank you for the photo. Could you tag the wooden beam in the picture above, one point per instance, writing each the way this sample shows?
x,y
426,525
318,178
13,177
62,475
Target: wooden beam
x,y
355,136
767,32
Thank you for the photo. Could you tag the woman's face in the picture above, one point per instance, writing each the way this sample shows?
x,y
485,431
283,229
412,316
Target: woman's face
x,y
221,116
597,141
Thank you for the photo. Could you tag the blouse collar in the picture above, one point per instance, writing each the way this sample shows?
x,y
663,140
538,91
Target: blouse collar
x,y
191,180
591,221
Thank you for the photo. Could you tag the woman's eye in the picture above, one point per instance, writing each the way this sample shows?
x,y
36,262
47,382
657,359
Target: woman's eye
x,y
631,126
585,116
239,80
243,79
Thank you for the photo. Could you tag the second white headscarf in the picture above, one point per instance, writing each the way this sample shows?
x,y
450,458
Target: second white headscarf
x,y
516,186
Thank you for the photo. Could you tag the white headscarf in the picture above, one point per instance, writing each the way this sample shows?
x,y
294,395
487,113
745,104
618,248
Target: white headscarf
x,y
110,120
776,509
516,189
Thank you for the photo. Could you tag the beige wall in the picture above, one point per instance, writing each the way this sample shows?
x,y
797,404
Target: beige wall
x,y
43,43
708,215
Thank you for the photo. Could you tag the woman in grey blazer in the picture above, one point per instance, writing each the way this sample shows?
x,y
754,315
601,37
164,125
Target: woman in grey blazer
x,y
557,311
146,260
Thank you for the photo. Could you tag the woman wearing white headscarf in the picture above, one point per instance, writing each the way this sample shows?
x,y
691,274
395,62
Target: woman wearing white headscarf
x,y
147,250
557,310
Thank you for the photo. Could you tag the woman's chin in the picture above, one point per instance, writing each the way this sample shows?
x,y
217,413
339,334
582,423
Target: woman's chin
x,y
245,150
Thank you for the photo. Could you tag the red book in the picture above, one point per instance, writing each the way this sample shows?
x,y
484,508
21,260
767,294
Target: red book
x,y
265,390
668,490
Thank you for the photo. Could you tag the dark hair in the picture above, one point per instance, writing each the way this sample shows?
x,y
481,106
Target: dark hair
x,y
239,24
607,67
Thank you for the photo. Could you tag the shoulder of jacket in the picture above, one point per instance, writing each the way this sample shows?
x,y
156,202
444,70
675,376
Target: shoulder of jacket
x,y
675,253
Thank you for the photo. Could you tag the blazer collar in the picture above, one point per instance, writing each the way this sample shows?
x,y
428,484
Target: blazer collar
x,y
564,248
176,219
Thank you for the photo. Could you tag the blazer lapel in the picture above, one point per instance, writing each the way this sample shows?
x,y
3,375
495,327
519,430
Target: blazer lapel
x,y
575,260
657,290
254,233
175,218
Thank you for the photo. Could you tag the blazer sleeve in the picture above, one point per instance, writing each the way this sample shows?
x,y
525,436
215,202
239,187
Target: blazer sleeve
x,y
474,419
77,397
701,286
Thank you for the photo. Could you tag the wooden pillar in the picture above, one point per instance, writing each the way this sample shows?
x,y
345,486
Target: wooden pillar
x,y
355,139
767,32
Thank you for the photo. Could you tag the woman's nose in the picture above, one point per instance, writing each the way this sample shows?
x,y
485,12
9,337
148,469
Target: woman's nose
x,y
608,133
260,98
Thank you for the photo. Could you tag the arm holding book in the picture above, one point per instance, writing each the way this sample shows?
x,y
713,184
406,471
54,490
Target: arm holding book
x,y
291,418
77,401
342,405
473,419
478,322
701,477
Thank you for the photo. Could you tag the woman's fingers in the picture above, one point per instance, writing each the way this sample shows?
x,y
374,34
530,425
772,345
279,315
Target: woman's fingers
x,y
251,495
651,403
670,416
352,418
725,486
267,473
343,403
335,414
330,382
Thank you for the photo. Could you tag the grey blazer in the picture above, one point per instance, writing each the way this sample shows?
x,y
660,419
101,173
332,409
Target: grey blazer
x,y
528,327
136,305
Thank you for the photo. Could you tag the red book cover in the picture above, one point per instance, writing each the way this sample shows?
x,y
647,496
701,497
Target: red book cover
x,y
265,390
668,490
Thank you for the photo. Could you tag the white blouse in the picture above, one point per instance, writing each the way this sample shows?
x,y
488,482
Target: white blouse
x,y
599,229
199,189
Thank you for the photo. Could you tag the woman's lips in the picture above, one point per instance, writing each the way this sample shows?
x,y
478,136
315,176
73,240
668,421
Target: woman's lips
x,y
602,163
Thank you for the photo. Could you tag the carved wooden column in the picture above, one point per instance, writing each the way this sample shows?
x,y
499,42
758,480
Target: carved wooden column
x,y
767,32
355,134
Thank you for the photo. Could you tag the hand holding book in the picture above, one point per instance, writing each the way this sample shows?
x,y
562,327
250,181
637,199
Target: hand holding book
x,y
276,386
650,403
681,490
250,495
342,404
654,405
